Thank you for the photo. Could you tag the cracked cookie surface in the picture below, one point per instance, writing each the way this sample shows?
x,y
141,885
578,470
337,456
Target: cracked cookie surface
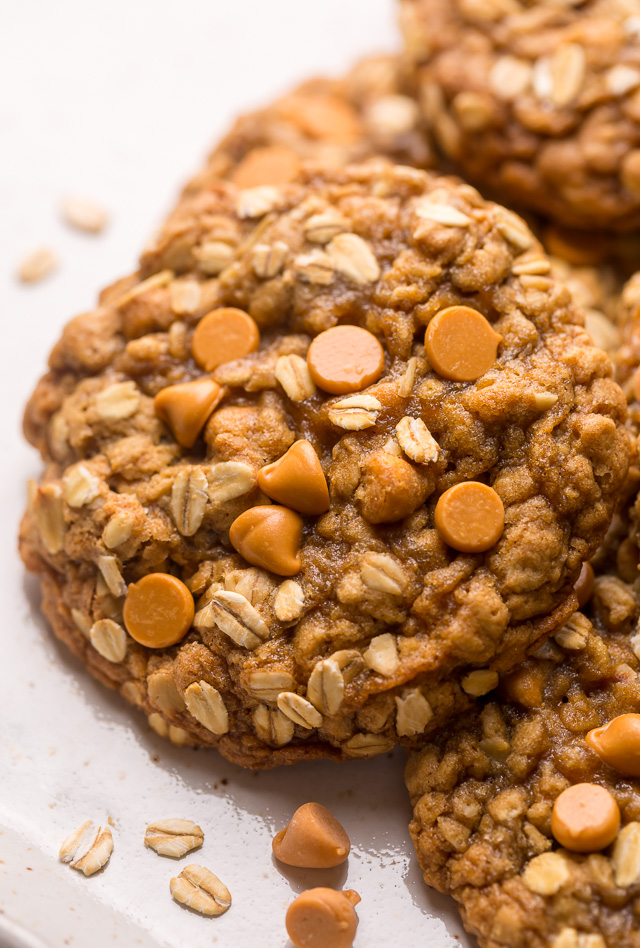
x,y
360,625
537,102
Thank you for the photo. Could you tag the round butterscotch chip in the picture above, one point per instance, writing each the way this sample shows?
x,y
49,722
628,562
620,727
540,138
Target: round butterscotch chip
x,y
470,517
323,918
314,839
223,335
158,610
345,359
297,480
584,584
618,743
585,818
270,165
461,344
186,407
269,536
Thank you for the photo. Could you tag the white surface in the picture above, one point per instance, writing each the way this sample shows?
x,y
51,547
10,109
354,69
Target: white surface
x,y
118,101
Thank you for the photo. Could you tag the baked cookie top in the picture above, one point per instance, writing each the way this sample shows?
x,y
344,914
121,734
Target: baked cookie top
x,y
370,112
356,424
490,822
537,101
528,812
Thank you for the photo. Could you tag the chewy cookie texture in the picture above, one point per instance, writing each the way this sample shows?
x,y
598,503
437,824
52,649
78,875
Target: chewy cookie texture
x,y
538,102
290,497
529,812
372,111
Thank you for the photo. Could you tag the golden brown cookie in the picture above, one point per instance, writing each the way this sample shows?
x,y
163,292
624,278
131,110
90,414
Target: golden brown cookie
x,y
528,811
323,632
371,111
538,103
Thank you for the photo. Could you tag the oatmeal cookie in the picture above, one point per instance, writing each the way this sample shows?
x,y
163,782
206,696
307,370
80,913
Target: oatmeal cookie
x,y
537,102
486,793
372,111
337,444
491,824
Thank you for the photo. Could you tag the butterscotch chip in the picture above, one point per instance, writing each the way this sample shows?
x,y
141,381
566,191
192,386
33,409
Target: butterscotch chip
x,y
314,839
269,536
345,359
323,117
585,818
584,584
461,344
272,164
323,918
186,407
470,517
297,480
158,610
618,743
223,335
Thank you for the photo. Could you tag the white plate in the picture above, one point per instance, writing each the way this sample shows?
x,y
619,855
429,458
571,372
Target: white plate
x,y
118,101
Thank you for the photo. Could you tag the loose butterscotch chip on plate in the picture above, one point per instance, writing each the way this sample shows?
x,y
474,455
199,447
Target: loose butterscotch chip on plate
x,y
314,839
323,918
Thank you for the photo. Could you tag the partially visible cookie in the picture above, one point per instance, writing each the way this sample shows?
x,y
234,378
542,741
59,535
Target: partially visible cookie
x,y
537,103
528,811
484,794
340,537
371,111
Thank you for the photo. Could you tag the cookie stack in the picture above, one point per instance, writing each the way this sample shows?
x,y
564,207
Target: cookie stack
x,y
340,462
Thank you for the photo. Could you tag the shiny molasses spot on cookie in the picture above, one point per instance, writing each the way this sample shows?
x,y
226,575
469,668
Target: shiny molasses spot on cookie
x,y
223,335
158,610
313,839
186,407
297,480
345,359
269,536
470,517
585,818
461,344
